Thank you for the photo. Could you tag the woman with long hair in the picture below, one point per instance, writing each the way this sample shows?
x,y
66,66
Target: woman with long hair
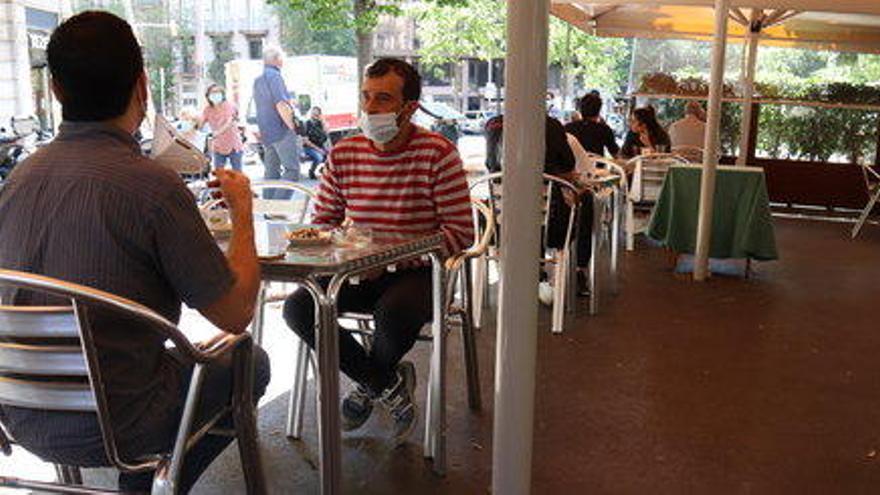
x,y
222,115
646,135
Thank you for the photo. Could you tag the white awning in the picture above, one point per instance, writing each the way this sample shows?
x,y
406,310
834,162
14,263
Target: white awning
x,y
839,25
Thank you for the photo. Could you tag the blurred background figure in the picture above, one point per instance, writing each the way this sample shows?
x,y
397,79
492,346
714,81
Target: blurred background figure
x,y
592,132
645,135
690,130
221,115
315,140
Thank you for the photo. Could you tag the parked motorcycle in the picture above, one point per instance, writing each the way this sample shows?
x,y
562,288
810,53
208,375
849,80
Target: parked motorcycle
x,y
18,141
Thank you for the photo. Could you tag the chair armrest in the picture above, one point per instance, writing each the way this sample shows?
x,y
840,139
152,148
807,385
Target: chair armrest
x,y
5,443
215,347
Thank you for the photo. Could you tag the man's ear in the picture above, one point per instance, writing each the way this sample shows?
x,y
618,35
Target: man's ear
x,y
143,87
57,90
410,108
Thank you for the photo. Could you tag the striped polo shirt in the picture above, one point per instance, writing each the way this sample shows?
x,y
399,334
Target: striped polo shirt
x,y
415,190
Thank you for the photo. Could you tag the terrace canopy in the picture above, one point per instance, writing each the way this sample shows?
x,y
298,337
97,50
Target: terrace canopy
x,y
842,25
817,24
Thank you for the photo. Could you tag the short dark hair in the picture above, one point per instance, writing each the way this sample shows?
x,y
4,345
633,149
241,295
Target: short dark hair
x,y
412,81
96,61
590,105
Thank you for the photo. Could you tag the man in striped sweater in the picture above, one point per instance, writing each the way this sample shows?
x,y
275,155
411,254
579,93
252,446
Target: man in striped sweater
x,y
398,180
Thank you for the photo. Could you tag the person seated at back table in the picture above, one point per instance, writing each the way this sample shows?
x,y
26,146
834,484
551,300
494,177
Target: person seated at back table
x,y
559,160
592,132
89,208
645,136
315,140
690,130
401,181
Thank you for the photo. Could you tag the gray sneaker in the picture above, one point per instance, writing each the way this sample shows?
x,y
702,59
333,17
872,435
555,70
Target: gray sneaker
x,y
398,399
356,408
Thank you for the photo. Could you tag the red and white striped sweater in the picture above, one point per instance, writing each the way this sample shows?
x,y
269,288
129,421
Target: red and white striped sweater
x,y
415,190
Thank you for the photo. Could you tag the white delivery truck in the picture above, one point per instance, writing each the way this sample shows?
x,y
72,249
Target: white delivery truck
x,y
326,81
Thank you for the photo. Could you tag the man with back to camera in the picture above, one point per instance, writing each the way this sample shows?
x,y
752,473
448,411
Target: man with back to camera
x,y
89,208
277,123
690,130
592,132
400,181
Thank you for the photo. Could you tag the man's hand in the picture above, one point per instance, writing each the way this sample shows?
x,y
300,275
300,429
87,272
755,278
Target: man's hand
x,y
235,188
234,310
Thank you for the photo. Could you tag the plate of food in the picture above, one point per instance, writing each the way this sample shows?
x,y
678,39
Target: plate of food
x,y
309,236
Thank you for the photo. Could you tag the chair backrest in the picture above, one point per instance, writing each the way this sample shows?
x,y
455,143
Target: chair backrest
x,y
489,187
48,359
649,171
872,176
42,365
297,208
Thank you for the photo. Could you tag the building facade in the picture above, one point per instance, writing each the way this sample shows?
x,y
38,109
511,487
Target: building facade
x,y
233,29
25,26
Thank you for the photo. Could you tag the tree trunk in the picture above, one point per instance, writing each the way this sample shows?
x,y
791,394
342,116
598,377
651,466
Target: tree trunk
x,y
364,41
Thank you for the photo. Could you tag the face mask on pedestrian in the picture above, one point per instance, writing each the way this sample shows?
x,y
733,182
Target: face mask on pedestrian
x,y
379,127
216,97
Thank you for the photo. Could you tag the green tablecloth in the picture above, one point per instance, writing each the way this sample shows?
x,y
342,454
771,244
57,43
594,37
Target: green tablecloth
x,y
741,226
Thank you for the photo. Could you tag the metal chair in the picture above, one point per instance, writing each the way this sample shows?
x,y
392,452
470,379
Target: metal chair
x,y
458,312
563,299
872,183
608,197
49,361
649,172
295,209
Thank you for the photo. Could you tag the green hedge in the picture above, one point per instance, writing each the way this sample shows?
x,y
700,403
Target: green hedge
x,y
790,132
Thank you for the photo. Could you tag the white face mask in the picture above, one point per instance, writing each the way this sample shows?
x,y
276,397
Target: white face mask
x,y
215,98
379,127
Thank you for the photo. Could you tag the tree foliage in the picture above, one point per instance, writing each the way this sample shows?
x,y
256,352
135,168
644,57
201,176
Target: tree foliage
x,y
358,15
299,37
473,28
596,62
477,28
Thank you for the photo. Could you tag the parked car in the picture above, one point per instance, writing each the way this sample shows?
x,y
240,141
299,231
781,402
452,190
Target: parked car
x,y
440,117
475,121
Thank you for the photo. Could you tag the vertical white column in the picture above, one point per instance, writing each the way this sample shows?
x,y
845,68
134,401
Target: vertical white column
x,y
711,144
21,61
199,48
526,82
748,86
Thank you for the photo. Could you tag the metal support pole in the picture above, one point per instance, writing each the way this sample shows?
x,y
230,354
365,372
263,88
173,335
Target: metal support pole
x,y
526,79
748,84
710,156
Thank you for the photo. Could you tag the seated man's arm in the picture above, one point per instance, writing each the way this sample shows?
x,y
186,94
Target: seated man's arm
x,y
234,310
452,202
221,287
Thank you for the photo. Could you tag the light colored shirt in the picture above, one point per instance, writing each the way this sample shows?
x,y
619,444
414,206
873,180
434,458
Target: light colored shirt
x,y
582,161
688,131
218,116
